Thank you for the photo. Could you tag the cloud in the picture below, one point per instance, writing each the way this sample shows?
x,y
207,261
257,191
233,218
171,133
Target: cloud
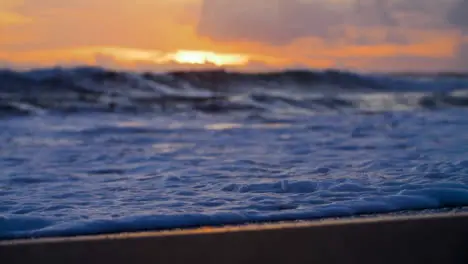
x,y
279,33
461,57
345,25
283,21
275,22
458,16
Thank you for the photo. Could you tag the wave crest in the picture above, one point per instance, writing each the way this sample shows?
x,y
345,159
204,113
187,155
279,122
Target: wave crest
x,y
96,89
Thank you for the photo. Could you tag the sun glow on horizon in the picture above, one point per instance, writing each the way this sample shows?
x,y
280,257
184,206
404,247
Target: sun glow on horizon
x,y
113,56
195,57
208,57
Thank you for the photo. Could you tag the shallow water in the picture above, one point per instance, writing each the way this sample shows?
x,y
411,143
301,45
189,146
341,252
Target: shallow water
x,y
90,171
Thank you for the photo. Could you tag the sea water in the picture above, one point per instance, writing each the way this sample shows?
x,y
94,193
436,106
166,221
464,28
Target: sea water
x,y
91,151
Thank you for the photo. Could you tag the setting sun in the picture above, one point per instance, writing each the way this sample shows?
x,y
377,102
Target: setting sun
x,y
206,57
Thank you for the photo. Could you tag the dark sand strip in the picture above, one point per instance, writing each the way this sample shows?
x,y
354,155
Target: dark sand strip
x,y
415,239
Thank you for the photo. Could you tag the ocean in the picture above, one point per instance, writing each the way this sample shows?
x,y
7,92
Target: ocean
x,y
91,151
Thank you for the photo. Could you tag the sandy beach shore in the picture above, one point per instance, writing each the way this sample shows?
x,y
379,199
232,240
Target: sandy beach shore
x,y
439,238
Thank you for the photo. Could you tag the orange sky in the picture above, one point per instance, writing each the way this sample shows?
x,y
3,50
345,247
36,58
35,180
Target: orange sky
x,y
159,35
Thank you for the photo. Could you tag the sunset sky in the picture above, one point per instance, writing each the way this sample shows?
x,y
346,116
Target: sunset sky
x,y
159,35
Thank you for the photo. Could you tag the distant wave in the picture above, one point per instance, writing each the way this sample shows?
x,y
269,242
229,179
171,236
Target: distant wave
x,y
96,89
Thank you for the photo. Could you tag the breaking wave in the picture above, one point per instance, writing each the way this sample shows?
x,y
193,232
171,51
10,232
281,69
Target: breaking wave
x,y
96,89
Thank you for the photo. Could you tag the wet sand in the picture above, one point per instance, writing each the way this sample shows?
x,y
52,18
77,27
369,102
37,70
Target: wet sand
x,y
438,238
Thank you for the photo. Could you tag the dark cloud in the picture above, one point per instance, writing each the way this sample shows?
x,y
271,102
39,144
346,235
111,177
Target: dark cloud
x,y
374,12
338,23
458,16
462,56
271,21
283,21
